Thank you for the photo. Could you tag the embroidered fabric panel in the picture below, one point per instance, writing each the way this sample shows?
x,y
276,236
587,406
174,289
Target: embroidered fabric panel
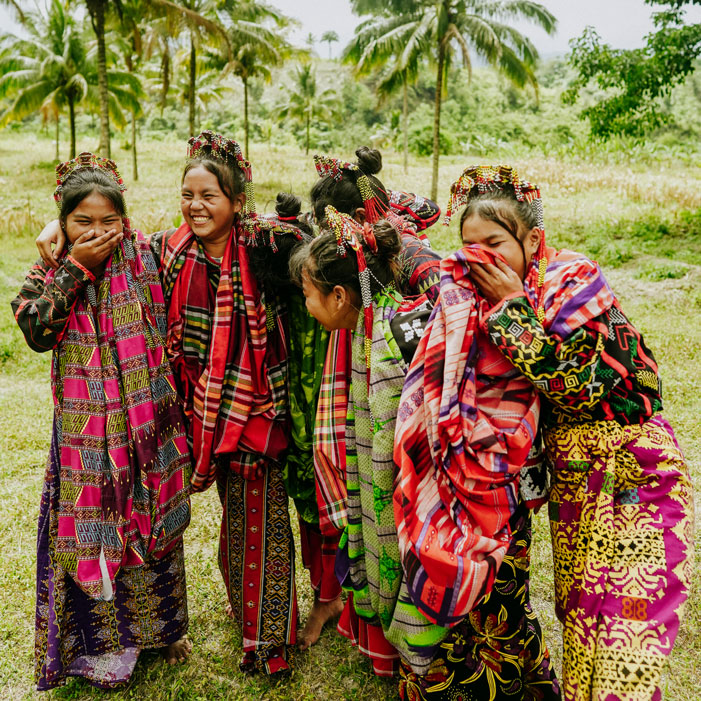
x,y
420,268
42,310
419,211
603,370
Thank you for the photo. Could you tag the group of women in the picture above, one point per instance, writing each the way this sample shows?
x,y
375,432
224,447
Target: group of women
x,y
416,409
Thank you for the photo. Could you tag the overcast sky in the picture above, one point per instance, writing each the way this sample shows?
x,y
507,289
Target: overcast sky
x,y
621,23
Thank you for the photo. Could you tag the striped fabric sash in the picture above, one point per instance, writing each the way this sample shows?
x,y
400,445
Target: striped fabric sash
x,y
232,372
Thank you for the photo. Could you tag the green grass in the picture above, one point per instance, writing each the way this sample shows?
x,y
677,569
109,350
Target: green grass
x,y
642,226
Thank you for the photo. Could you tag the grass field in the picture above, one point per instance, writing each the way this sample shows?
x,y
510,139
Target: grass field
x,y
643,226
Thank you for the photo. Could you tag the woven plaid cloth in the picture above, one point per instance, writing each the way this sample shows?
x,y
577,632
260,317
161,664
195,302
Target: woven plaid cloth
x,y
330,433
466,423
232,369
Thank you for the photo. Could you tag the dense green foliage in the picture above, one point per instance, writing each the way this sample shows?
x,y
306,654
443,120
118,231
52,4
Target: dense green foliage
x,y
636,80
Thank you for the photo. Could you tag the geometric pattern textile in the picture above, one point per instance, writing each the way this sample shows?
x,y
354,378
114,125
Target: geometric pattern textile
x,y
622,528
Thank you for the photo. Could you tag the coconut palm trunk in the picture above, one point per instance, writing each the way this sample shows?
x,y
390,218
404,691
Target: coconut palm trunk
x,y
135,168
97,14
245,114
71,121
193,80
58,156
308,120
405,125
437,121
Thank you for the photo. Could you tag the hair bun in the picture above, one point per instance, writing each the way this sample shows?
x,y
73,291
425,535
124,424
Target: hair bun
x,y
287,204
389,243
369,160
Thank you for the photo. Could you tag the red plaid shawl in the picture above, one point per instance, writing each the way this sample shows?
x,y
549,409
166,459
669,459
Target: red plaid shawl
x,y
232,370
466,422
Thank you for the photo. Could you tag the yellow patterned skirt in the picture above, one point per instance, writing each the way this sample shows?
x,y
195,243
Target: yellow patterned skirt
x,y
621,519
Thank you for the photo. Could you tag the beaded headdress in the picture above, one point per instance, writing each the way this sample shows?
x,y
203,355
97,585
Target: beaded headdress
x,y
350,235
477,180
375,209
85,160
218,147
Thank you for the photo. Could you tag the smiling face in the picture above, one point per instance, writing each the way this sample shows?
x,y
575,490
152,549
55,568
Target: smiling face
x,y
494,237
207,209
95,211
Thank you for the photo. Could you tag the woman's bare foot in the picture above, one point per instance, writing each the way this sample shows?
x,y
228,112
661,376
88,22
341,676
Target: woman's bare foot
x,y
228,611
321,613
177,652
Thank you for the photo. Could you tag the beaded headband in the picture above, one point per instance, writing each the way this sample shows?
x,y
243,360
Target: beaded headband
x,y
261,231
480,179
212,145
350,235
375,209
476,180
85,160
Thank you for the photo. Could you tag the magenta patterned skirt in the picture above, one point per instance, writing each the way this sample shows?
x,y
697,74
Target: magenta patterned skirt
x,y
621,519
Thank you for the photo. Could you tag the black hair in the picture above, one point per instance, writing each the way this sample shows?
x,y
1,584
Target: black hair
x,y
502,208
83,182
230,177
320,261
271,268
344,194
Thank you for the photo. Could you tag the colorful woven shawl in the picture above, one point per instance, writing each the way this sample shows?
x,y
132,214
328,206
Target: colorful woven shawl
x,y
465,425
123,446
575,291
232,370
308,344
369,543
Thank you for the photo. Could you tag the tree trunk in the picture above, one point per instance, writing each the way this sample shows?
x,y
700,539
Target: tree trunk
x,y
307,142
245,115
405,126
165,77
97,14
193,78
58,156
71,122
135,168
437,121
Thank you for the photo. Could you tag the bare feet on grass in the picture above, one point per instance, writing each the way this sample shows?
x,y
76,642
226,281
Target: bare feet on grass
x,y
228,611
321,613
177,652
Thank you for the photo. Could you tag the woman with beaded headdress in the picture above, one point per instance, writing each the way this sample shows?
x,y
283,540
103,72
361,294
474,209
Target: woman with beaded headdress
x,y
353,189
110,567
620,503
349,280
227,343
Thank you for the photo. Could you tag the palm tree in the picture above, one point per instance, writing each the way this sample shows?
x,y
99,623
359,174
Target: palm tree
x,y
132,49
329,37
381,45
255,46
307,104
46,72
194,15
450,26
208,89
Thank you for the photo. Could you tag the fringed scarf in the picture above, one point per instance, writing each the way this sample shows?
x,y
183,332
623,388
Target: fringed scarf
x,y
124,455
466,423
232,368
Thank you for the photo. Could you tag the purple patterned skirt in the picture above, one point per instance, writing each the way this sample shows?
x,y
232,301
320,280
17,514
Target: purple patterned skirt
x,y
77,635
